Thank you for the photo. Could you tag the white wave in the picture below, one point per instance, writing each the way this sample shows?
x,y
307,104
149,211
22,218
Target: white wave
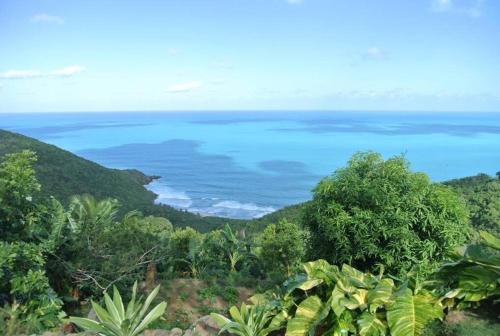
x,y
169,196
252,209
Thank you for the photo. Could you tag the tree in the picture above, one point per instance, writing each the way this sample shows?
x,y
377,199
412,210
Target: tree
x,y
282,246
26,230
378,211
18,184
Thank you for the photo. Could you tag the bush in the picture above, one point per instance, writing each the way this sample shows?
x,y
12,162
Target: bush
x,y
377,211
282,247
26,288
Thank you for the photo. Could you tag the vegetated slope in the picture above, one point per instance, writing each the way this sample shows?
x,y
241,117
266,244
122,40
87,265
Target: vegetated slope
x,y
292,213
482,193
63,174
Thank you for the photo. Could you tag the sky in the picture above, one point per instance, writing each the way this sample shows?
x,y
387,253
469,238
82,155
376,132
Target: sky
x,y
170,55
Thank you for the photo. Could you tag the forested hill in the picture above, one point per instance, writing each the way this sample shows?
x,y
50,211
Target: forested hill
x,y
482,193
63,174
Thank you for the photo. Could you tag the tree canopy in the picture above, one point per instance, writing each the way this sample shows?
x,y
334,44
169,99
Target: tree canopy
x,y
377,211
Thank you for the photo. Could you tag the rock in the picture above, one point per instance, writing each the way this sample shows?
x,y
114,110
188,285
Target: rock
x,y
204,326
162,332
92,315
176,332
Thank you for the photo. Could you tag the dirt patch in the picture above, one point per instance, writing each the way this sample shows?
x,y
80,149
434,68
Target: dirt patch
x,y
190,299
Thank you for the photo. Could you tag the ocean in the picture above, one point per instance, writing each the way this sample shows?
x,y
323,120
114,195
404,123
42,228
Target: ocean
x,y
248,164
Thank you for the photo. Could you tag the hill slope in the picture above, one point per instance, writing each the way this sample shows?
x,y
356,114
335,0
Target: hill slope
x,y
482,193
63,174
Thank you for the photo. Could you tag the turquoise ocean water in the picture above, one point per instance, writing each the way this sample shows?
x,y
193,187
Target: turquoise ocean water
x,y
247,164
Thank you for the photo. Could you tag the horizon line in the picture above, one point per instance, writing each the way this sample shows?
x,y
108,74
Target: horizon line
x,y
256,111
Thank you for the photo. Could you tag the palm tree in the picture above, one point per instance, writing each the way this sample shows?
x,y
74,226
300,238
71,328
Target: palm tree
x,y
88,214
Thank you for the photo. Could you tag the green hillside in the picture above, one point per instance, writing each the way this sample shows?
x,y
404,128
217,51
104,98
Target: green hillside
x,y
63,174
482,193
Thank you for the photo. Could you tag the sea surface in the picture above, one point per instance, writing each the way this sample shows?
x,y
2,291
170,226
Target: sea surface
x,y
247,164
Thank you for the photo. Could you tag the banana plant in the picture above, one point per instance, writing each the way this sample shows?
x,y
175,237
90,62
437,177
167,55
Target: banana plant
x,y
253,320
116,320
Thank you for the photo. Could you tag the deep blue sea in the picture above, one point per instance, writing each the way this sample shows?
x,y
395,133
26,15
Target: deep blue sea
x,y
247,164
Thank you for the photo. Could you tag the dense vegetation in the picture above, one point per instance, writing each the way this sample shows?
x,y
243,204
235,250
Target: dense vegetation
x,y
482,193
378,212
386,237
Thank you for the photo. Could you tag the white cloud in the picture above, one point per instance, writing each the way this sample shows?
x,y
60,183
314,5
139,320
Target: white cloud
x,y
472,8
67,71
46,18
295,2
225,65
374,53
25,74
184,87
172,51
441,5
20,74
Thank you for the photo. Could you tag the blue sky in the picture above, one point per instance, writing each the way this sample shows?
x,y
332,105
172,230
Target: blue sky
x,y
100,55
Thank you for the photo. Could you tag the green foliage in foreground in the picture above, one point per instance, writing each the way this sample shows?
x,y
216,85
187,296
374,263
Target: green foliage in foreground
x,y
326,300
377,211
474,275
25,233
118,320
247,321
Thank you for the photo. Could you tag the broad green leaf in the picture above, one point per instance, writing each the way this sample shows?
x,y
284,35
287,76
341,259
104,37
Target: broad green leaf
x,y
409,314
490,240
309,284
370,325
310,313
338,298
381,294
279,320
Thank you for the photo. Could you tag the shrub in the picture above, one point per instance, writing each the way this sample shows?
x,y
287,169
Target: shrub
x,y
377,211
282,247
118,320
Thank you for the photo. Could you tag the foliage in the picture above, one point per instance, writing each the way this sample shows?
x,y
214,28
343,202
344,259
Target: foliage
x,y
246,321
333,301
98,250
282,246
116,320
25,231
482,194
376,211
474,275
18,184
25,286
